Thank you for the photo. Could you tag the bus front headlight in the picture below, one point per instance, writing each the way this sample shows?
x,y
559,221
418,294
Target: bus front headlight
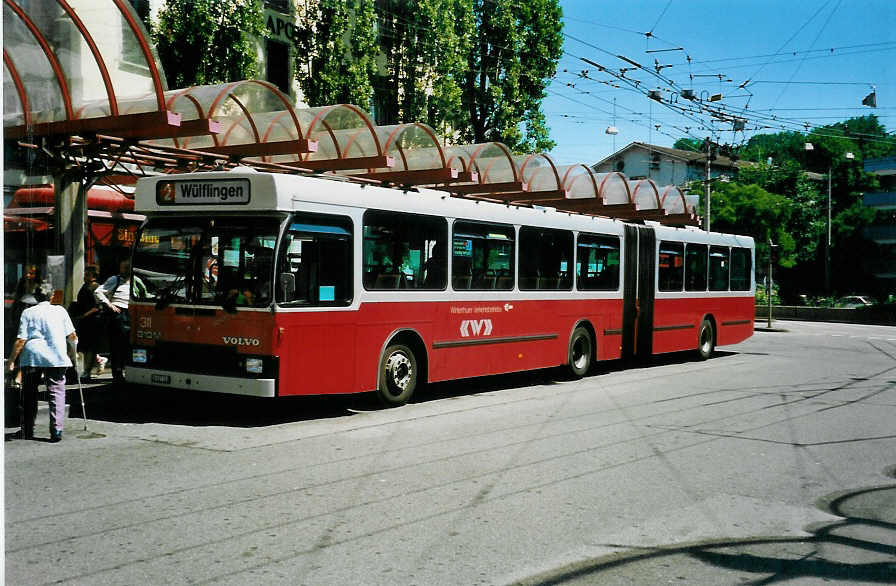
x,y
139,356
254,365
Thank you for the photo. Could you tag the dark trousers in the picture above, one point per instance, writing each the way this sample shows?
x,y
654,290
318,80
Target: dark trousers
x,y
120,341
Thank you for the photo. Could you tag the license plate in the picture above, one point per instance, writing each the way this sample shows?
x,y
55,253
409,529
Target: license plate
x,y
163,379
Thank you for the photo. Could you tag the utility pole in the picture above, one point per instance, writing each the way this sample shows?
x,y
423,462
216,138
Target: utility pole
x,y
827,249
706,207
768,290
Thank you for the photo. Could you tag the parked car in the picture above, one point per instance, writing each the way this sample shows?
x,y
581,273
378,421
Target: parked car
x,y
854,301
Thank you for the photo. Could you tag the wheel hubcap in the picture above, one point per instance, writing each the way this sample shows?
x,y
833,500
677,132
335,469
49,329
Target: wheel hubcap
x,y
580,353
705,340
399,372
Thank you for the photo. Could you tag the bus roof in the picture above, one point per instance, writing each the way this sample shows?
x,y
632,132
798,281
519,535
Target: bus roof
x,y
244,190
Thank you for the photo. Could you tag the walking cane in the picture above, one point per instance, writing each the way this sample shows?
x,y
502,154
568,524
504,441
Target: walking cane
x,y
83,406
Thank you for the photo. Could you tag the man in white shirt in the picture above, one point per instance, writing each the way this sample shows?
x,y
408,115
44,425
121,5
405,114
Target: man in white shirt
x,y
47,343
115,294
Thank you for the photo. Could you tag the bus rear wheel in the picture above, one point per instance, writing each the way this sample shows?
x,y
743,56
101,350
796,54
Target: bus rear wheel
x,y
398,375
706,341
580,352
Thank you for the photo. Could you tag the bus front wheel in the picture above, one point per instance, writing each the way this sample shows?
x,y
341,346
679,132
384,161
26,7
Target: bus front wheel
x,y
580,352
398,375
706,342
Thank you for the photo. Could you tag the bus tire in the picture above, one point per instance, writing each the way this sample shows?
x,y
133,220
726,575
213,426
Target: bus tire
x,y
398,375
706,340
581,349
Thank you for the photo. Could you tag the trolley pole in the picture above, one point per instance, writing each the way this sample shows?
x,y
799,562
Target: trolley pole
x,y
768,289
706,183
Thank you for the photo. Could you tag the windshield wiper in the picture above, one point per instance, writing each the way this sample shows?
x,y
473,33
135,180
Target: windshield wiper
x,y
166,294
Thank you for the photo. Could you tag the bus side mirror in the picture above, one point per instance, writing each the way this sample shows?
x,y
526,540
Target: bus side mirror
x,y
287,286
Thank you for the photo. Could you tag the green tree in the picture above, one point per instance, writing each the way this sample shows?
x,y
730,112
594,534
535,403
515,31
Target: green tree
x,y
689,144
515,47
336,51
424,46
207,41
753,211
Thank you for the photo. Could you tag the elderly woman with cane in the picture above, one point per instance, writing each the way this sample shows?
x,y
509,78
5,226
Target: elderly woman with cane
x,y
46,343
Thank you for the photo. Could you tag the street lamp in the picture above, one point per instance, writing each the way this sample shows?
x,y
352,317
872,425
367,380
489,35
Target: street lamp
x,y
827,250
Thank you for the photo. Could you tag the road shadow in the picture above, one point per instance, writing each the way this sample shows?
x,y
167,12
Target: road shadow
x,y
123,403
856,548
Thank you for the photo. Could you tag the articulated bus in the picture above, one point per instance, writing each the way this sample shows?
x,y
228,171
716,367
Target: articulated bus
x,y
272,285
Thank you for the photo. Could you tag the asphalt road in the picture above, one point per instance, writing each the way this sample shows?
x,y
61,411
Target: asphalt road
x,y
773,461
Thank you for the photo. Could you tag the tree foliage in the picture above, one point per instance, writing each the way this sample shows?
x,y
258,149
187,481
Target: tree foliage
x,y
514,52
424,44
207,41
781,165
689,144
336,48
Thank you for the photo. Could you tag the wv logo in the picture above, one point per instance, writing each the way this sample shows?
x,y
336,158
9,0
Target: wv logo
x,y
475,327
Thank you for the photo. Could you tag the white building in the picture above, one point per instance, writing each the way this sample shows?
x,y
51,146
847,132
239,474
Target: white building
x,y
666,166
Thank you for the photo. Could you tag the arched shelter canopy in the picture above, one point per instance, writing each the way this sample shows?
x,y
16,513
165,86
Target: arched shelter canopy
x,y
253,118
614,188
492,167
539,176
646,196
81,66
418,157
676,207
344,137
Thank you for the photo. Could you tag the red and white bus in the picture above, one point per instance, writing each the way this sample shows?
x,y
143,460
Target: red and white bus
x,y
272,285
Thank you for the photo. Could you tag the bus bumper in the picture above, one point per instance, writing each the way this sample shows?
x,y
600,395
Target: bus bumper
x,y
253,387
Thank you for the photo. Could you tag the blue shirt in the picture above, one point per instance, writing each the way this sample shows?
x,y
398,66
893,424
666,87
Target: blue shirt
x,y
44,328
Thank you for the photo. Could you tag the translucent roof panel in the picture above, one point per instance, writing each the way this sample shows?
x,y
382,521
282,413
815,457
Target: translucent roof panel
x,y
491,160
578,181
413,146
122,48
32,66
340,130
672,200
79,59
83,76
613,188
539,172
645,194
13,112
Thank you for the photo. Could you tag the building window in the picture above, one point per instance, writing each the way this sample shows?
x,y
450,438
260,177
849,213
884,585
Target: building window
x,y
278,5
277,64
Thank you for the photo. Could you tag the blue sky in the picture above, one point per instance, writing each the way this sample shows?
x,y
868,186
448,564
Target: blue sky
x,y
783,47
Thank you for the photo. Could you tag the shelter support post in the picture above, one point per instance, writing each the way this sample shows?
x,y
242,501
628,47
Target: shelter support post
x,y
71,230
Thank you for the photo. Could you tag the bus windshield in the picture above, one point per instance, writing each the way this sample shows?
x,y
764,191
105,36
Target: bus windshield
x,y
206,261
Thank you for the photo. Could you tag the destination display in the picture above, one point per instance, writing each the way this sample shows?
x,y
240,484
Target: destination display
x,y
231,191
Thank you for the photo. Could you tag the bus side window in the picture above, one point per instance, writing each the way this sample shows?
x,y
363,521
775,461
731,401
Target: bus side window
x,y
315,265
671,266
695,267
545,258
597,263
719,268
482,256
404,251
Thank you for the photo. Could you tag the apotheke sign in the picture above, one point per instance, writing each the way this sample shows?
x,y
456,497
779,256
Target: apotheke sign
x,y
281,27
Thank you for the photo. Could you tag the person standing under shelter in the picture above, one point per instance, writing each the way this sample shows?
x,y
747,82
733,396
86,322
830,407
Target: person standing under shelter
x,y
87,316
115,294
46,342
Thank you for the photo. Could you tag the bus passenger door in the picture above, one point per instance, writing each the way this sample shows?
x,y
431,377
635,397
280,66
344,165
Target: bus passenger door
x,y
638,291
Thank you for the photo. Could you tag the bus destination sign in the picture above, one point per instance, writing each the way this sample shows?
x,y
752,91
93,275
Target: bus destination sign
x,y
232,191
